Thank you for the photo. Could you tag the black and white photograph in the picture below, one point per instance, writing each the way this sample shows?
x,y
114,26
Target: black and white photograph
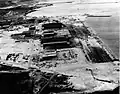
x,y
59,47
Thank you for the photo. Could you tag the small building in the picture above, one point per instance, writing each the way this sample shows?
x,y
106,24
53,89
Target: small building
x,y
49,56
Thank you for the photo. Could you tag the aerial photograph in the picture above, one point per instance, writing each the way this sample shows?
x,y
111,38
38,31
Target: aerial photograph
x,y
59,47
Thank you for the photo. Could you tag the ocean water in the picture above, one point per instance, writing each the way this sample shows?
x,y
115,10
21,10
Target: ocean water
x,y
107,28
